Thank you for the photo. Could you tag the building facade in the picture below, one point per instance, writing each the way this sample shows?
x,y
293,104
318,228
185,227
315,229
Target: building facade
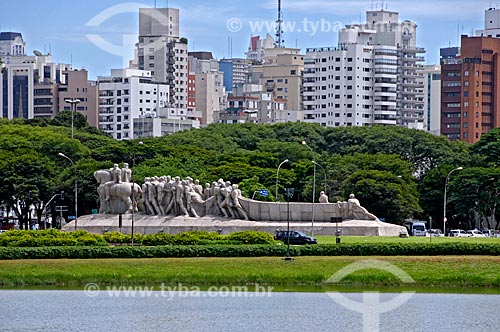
x,y
29,87
77,85
432,99
209,86
374,76
256,49
235,72
163,52
128,97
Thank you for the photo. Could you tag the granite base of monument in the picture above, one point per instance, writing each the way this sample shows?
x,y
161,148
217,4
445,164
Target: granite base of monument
x,y
145,224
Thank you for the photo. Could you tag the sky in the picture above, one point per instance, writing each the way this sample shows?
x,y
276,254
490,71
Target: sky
x,y
99,34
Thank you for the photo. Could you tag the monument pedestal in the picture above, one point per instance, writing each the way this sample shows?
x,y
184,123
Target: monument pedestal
x,y
145,224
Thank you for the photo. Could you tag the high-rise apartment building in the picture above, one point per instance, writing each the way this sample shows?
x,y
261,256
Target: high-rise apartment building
x,y
78,86
209,86
432,99
235,72
29,86
451,93
127,99
470,98
163,52
374,76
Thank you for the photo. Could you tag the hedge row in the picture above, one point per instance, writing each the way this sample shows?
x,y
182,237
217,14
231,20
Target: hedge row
x,y
444,249
55,238
50,238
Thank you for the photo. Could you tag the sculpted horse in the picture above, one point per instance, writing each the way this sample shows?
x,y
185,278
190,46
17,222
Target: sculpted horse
x,y
120,194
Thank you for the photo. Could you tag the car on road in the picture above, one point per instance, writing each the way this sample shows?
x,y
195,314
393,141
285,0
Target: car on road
x,y
295,237
458,233
475,233
434,232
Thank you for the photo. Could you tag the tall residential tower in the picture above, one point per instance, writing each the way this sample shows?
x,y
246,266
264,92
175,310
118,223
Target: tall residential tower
x,y
373,76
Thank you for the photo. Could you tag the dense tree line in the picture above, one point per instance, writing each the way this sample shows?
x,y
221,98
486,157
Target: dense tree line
x,y
396,173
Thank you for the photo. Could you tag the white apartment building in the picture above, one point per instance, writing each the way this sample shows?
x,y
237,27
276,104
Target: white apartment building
x,y
163,52
29,87
432,100
372,77
129,96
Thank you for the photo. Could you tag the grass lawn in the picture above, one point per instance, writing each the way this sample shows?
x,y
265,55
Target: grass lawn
x,y
466,272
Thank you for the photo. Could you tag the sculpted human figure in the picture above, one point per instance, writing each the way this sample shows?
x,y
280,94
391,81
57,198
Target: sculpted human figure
x,y
116,177
226,195
323,198
207,192
198,188
235,202
188,198
178,190
126,173
153,195
356,211
168,200
148,208
160,190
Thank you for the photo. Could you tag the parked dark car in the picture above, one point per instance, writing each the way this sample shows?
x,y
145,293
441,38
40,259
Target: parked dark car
x,y
296,237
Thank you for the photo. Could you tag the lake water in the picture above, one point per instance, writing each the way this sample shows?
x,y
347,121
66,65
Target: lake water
x,y
74,311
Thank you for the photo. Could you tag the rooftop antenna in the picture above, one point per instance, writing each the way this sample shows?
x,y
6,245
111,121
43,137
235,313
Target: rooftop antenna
x,y
372,4
279,33
155,4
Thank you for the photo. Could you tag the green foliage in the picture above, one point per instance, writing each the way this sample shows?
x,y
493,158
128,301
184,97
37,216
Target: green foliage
x,y
251,237
205,238
50,238
117,237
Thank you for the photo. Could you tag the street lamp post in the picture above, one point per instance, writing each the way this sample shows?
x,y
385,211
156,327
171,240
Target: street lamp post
x,y
134,199
277,178
324,172
444,204
76,188
73,102
314,186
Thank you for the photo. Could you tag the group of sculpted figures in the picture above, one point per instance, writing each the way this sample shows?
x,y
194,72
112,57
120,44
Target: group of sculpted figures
x,y
167,195
173,196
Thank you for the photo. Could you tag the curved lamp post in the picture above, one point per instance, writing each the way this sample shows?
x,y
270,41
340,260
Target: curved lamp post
x,y
314,185
73,102
444,205
76,188
277,178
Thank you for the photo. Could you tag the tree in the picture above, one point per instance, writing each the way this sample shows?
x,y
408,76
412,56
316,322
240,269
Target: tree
x,y
383,194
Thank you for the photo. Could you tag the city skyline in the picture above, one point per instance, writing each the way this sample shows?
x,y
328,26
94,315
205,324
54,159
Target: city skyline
x,y
63,29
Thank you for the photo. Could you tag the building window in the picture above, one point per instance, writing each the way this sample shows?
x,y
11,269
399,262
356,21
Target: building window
x,y
466,73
